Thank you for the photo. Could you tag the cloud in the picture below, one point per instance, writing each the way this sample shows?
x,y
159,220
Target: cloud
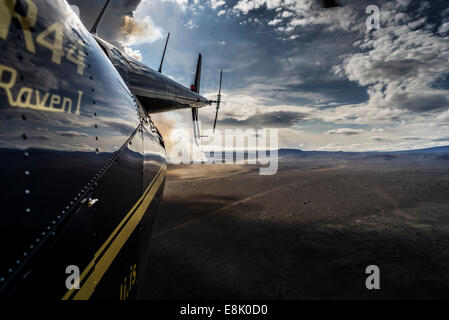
x,y
278,119
332,146
181,3
119,25
216,3
424,101
400,64
138,31
191,25
287,14
442,139
443,117
304,13
310,71
72,134
411,138
274,22
346,131
40,137
136,54
83,147
111,25
444,28
379,139
121,126
245,6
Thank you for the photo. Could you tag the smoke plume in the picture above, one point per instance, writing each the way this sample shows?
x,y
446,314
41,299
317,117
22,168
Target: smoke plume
x,y
119,25
165,126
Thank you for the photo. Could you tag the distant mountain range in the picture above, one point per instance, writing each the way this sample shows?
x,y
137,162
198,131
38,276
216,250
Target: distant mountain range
x,y
444,151
299,152
438,150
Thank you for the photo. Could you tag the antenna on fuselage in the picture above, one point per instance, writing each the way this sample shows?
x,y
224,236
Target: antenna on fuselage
x,y
163,54
98,21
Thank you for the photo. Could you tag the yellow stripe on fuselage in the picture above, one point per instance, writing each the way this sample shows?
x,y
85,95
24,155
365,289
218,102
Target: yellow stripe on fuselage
x,y
115,243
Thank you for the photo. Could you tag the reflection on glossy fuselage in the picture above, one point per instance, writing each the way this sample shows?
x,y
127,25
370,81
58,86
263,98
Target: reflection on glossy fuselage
x,y
156,92
55,160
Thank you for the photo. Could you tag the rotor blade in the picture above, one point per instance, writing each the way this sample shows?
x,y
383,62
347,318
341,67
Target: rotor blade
x,y
215,122
196,128
218,101
163,55
198,74
221,77
98,21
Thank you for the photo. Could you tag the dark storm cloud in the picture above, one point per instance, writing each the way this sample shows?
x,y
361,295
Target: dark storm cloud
x,y
397,69
279,119
421,102
110,27
403,65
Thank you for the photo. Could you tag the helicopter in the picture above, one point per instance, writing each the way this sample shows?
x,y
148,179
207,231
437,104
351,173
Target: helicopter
x,y
83,166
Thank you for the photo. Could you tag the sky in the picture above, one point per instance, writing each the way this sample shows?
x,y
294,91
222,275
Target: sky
x,y
319,76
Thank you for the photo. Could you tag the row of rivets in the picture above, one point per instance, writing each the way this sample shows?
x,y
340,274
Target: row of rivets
x,y
63,212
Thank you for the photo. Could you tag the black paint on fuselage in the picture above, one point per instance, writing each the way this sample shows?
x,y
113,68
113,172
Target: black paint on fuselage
x,y
156,92
82,164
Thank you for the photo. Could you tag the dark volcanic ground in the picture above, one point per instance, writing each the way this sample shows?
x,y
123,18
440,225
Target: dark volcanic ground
x,y
308,232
